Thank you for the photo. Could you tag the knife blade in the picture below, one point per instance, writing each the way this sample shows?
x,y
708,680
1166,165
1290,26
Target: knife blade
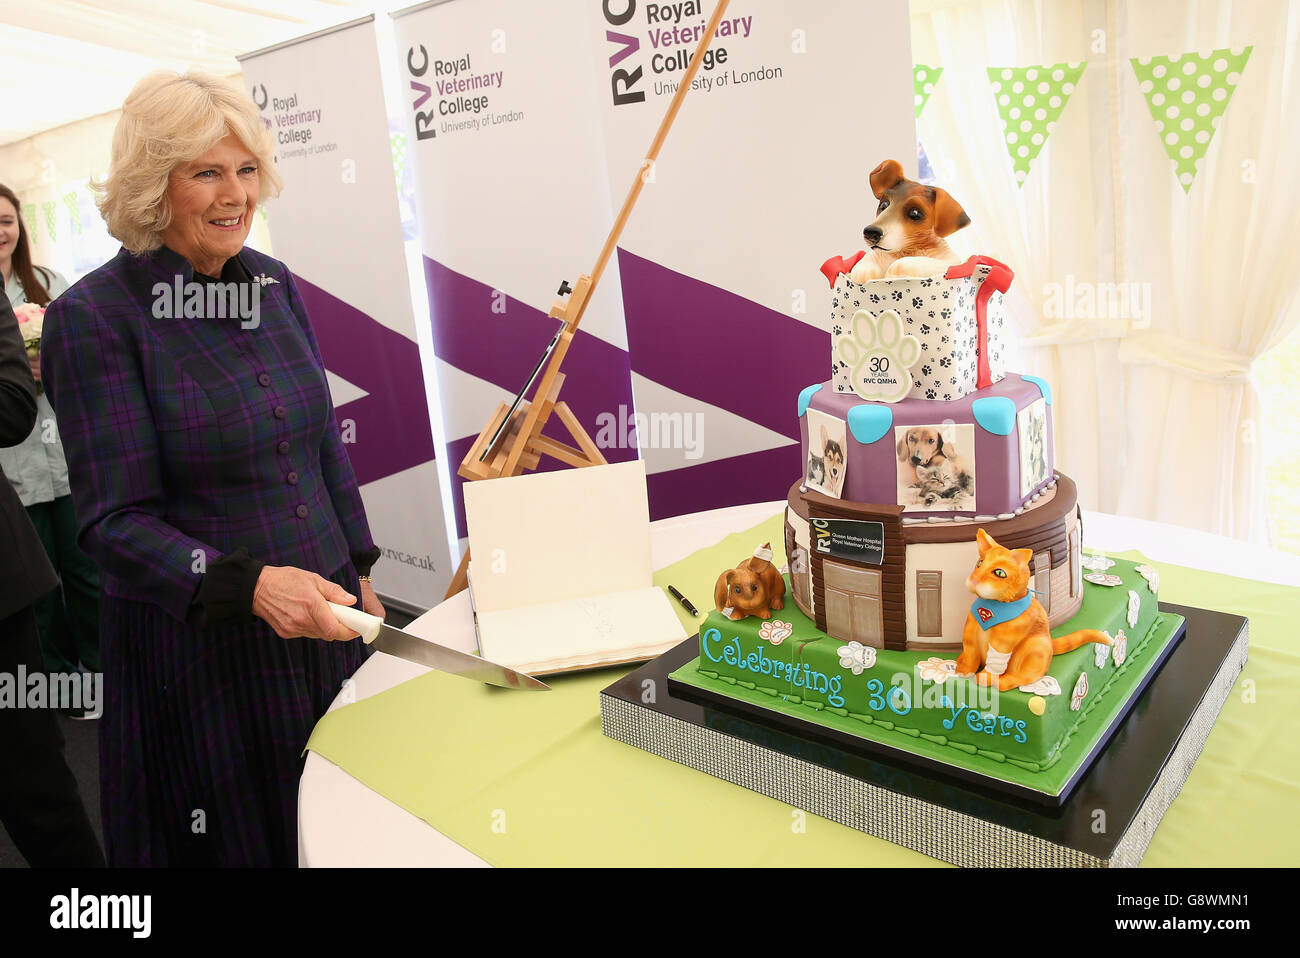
x,y
394,641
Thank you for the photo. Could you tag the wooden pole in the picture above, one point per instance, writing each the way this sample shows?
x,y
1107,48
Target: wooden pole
x,y
527,440
660,135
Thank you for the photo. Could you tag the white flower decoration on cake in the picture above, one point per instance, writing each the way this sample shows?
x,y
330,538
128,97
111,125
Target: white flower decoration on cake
x,y
857,657
1119,651
1100,653
1134,607
1103,578
1097,563
775,631
1150,574
1080,692
935,669
1044,686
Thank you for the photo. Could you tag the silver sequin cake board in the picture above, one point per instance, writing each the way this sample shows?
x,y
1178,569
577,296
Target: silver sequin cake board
x,y
1108,820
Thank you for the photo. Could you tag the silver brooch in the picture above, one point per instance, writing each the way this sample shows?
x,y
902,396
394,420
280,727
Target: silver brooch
x,y
264,280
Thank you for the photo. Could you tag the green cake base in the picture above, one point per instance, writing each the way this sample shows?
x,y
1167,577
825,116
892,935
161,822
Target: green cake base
x,y
1038,745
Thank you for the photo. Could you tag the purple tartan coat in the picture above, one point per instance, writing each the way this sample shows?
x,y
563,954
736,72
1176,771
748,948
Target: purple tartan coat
x,y
187,437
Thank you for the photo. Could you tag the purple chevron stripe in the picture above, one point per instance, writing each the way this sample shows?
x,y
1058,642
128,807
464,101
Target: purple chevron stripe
x,y
738,481
716,346
502,348
392,422
731,352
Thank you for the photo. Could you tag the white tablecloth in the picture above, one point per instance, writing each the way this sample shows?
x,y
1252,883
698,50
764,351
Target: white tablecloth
x,y
343,823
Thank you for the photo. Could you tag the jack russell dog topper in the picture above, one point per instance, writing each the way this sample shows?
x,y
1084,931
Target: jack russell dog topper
x,y
909,319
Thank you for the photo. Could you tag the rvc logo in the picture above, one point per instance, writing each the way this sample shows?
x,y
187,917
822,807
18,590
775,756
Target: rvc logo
x,y
424,129
621,82
261,103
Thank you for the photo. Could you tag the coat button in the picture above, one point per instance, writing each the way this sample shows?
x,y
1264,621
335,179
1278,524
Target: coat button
x,y
282,447
264,380
280,412
292,478
301,512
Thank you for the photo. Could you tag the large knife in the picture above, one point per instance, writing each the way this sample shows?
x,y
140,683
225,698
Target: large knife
x,y
404,645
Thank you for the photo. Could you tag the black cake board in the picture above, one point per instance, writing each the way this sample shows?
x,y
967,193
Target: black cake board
x,y
1107,820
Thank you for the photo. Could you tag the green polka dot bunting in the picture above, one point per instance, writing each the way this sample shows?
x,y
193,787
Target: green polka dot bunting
x,y
50,208
74,211
1187,95
29,218
397,141
923,80
1030,101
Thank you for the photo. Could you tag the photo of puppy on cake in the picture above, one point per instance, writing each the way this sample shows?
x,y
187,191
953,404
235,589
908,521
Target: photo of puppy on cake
x,y
907,235
932,475
826,466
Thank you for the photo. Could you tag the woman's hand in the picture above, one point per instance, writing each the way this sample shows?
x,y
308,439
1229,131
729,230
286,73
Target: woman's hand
x,y
370,602
292,601
34,358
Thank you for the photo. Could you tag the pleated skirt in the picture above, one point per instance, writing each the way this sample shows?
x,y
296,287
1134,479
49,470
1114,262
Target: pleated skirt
x,y
202,735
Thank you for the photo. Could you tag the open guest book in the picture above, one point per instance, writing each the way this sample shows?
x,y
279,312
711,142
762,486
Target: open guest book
x,y
561,576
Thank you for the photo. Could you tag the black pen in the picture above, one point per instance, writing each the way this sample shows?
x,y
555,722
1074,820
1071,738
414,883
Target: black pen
x,y
686,603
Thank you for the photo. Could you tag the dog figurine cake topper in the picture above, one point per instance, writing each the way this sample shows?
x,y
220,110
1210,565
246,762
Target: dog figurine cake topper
x,y
1006,641
754,587
907,236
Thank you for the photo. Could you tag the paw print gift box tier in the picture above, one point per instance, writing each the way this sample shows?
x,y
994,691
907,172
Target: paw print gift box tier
x,y
958,322
989,454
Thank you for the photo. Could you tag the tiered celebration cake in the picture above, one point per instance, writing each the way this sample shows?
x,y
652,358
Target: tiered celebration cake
x,y
897,620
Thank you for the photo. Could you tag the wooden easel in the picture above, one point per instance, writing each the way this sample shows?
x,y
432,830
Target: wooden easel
x,y
522,444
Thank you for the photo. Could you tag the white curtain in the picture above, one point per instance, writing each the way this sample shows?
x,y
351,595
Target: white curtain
x,y
1143,304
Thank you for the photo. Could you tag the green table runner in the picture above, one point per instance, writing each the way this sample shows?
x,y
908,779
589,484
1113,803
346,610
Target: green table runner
x,y
528,779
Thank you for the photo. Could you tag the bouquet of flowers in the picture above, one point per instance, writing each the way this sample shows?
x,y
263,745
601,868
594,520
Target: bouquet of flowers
x,y
31,322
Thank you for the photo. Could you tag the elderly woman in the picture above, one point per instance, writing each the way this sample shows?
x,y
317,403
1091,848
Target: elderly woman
x,y
211,486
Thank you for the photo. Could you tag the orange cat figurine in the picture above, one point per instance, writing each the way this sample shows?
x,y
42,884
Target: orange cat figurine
x,y
1006,634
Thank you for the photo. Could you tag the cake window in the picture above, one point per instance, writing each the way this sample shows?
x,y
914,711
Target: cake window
x,y
1076,571
929,604
1042,581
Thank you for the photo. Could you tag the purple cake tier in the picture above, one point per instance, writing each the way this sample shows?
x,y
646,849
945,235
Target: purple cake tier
x,y
986,454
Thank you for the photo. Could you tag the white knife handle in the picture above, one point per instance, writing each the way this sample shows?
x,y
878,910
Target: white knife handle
x,y
362,623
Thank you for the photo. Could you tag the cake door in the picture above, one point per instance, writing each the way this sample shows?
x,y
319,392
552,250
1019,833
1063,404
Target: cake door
x,y
853,604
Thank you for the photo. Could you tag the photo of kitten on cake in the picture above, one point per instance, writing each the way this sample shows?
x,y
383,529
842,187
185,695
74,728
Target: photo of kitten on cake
x,y
825,467
931,473
1032,424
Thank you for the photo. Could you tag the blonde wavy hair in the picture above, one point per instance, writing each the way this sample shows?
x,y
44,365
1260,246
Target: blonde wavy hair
x,y
167,120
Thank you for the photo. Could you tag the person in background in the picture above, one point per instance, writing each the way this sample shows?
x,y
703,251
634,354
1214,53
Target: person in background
x,y
39,802
212,487
68,617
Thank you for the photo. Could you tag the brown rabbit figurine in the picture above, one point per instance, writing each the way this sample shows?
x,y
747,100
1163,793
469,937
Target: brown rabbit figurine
x,y
754,587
